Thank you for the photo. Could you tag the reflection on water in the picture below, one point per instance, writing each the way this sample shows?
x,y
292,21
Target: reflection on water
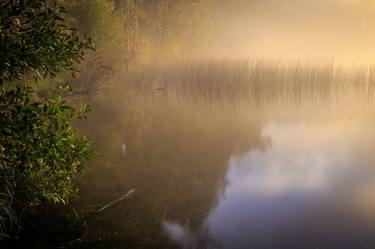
x,y
313,187
230,177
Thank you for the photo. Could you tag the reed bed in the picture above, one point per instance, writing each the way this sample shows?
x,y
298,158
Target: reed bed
x,y
256,82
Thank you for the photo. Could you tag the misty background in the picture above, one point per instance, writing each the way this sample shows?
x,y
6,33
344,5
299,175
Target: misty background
x,y
294,29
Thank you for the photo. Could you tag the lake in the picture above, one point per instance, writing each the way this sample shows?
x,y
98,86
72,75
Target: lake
x,y
296,171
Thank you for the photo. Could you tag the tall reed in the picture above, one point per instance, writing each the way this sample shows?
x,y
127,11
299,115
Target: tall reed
x,y
257,81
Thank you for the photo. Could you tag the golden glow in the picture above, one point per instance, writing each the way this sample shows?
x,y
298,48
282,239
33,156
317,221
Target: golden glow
x,y
295,29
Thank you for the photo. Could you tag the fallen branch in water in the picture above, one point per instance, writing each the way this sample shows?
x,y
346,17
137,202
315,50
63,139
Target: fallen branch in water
x,y
126,196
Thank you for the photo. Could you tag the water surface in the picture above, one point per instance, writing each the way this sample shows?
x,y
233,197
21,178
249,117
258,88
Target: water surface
x,y
313,186
229,177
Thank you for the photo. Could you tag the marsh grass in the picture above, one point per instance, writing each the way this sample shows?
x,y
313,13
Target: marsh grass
x,y
256,83
7,217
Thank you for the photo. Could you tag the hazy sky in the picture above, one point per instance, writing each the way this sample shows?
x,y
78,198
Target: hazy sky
x,y
329,29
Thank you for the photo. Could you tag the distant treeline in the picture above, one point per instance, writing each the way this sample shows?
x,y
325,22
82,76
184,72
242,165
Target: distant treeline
x,y
128,33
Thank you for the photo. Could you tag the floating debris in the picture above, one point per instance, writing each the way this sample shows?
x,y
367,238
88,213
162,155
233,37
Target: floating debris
x,y
124,197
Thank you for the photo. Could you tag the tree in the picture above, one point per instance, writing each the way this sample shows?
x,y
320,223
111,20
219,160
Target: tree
x,y
163,28
35,40
40,152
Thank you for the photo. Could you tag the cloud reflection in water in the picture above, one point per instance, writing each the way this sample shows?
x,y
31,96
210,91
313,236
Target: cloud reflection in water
x,y
307,190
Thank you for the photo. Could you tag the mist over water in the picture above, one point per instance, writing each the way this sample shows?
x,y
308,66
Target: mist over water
x,y
291,172
264,141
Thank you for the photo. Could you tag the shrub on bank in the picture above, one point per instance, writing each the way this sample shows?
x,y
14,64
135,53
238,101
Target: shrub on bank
x,y
40,152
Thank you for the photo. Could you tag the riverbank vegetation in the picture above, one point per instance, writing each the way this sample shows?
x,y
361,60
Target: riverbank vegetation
x,y
40,152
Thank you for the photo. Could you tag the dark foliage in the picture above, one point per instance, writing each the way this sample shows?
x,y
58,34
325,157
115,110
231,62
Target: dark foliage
x,y
40,152
35,40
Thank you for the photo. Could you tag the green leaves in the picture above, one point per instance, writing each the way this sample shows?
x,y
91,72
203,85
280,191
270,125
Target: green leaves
x,y
40,152
35,40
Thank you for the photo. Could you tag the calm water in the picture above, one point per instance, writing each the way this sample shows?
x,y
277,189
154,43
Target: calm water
x,y
230,177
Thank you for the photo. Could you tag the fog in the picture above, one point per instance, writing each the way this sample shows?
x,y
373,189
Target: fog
x,y
294,29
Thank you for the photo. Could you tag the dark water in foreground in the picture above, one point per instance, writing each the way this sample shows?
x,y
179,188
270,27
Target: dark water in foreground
x,y
230,177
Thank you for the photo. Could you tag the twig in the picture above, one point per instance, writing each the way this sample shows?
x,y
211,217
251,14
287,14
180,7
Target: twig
x,y
126,196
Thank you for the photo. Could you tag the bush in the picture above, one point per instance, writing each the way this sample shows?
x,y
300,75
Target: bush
x,y
35,41
39,151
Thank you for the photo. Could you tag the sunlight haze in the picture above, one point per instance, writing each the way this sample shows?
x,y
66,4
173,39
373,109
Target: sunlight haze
x,y
295,29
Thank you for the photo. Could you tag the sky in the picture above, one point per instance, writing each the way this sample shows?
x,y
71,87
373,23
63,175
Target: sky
x,y
294,29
